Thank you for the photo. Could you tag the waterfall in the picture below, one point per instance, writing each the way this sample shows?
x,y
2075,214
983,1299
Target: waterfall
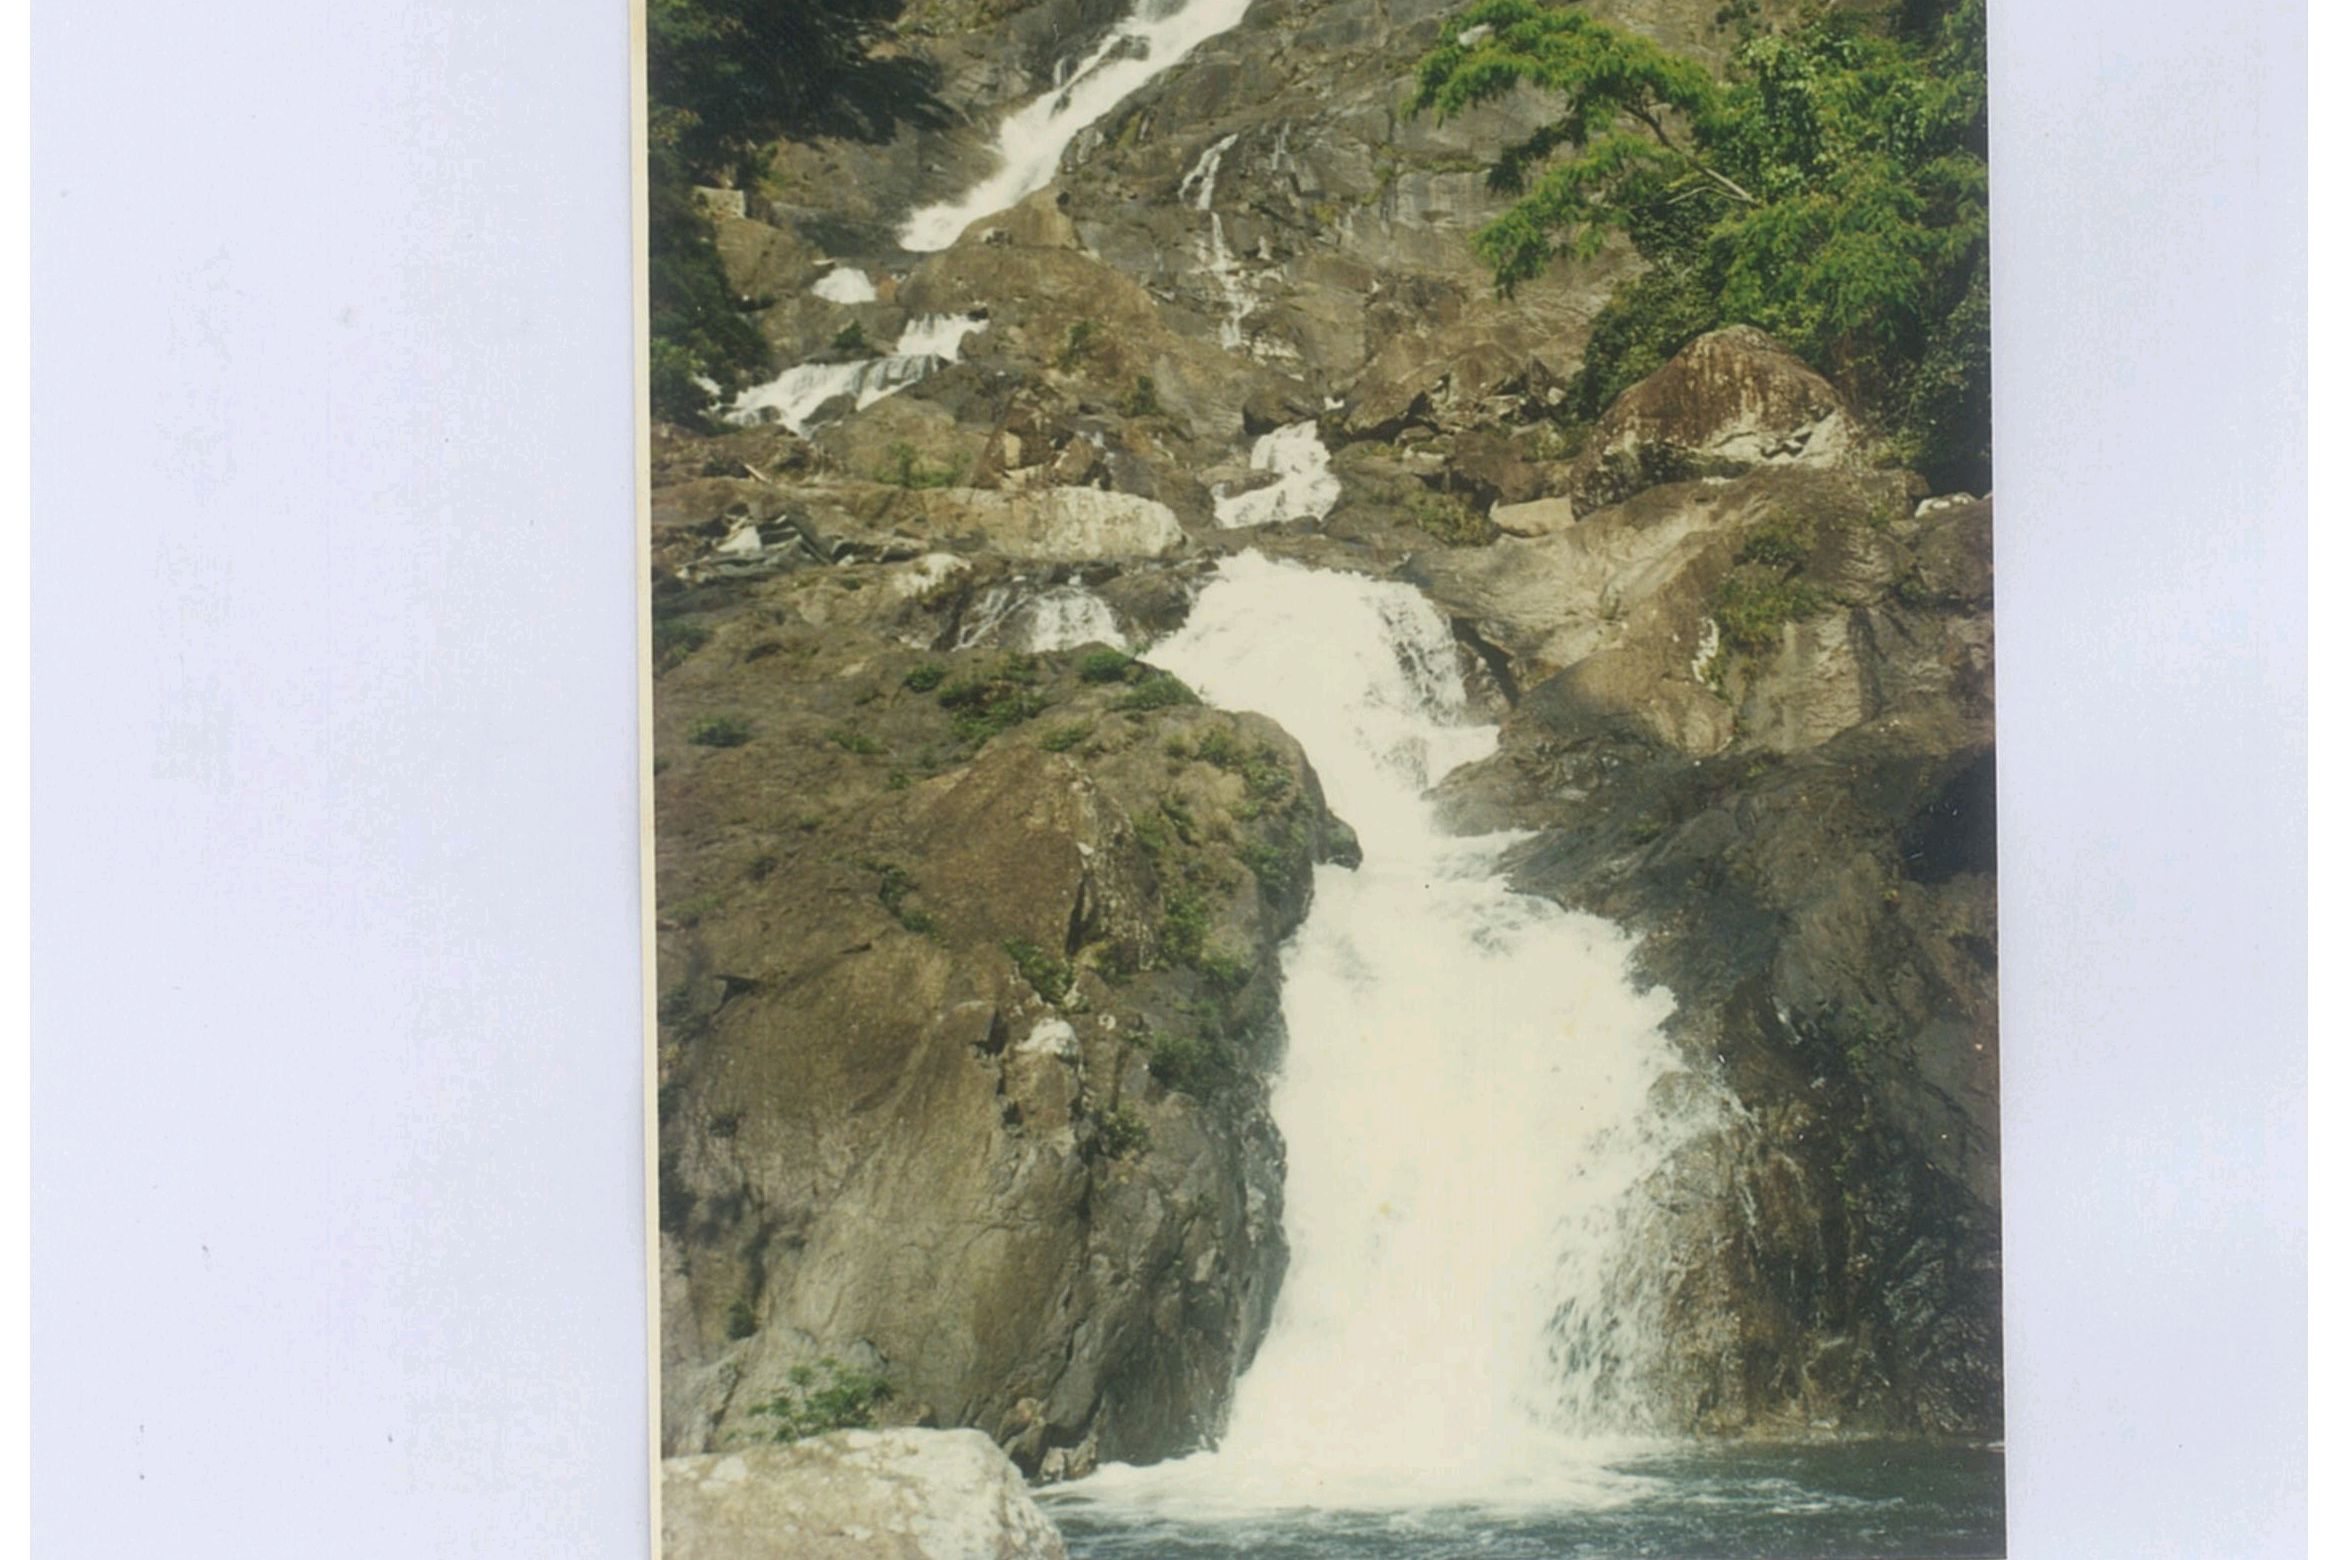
x,y
1474,1101
846,285
1200,186
1068,617
798,394
1062,617
1304,487
1156,35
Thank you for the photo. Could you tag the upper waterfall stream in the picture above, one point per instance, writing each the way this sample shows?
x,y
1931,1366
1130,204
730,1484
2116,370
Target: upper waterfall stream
x,y
1470,1100
1156,35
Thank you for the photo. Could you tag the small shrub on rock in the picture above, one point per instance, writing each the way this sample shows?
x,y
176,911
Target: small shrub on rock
x,y
1121,1132
904,467
673,642
1752,606
721,731
1156,690
1191,1064
1046,974
1104,666
987,703
1451,522
822,1397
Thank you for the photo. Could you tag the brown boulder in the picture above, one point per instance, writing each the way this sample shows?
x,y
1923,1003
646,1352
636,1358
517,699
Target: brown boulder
x,y
1729,402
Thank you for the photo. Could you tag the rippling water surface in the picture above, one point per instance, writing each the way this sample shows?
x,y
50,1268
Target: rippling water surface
x,y
1768,1503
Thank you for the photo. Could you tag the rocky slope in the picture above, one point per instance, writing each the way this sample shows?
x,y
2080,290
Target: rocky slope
x,y
966,974
966,992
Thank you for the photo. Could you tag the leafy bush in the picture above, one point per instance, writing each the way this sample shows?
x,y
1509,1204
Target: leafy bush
x,y
1191,1064
1264,776
1223,969
1450,521
1106,665
852,340
1781,544
674,641
1142,400
722,731
1156,690
1079,341
904,467
986,703
1064,738
925,677
1275,865
1121,1132
1186,922
1830,188
1046,974
1752,606
854,741
822,1397
895,886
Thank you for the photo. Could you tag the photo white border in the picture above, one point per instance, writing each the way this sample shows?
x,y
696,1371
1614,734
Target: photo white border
x,y
336,1208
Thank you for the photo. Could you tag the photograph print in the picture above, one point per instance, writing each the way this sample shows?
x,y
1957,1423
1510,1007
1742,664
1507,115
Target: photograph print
x,y
1323,751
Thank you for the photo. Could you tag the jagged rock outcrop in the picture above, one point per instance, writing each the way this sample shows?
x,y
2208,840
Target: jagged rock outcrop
x,y
967,992
1769,749
854,1495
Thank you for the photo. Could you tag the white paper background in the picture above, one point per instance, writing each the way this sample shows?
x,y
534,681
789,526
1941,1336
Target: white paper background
x,y
337,1152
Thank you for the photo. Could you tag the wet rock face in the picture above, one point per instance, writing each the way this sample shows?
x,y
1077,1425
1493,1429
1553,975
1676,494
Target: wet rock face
x,y
855,1495
967,996
1801,829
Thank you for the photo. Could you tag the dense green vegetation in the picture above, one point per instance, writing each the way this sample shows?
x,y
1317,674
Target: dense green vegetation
x,y
1829,188
727,77
822,1397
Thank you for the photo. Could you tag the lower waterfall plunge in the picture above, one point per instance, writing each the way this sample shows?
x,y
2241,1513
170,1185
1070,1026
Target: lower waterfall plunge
x,y
1474,1099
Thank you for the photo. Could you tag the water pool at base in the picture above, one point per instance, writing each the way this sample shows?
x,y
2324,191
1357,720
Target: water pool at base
x,y
1861,1501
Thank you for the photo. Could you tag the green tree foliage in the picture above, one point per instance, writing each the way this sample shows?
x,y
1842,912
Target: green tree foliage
x,y
726,78
1829,187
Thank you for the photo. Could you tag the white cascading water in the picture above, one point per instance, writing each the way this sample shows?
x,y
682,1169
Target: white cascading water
x,y
1061,617
1471,1100
846,285
928,342
1304,487
1200,187
1068,617
1156,35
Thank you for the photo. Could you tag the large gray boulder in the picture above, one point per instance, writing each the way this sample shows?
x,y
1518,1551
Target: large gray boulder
x,y
855,1495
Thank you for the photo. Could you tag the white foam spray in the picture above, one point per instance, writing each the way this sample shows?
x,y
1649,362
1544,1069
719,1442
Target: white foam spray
x,y
1472,1099
1156,35
846,285
798,394
1305,487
